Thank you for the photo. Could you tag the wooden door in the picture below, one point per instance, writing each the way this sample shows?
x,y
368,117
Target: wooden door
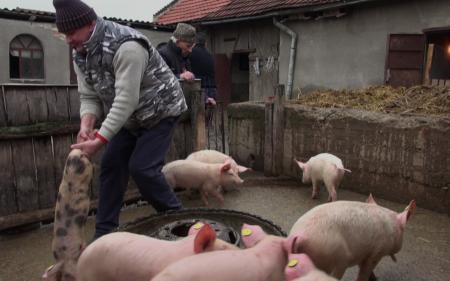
x,y
405,59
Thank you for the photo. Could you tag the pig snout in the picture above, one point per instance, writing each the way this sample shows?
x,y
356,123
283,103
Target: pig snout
x,y
298,265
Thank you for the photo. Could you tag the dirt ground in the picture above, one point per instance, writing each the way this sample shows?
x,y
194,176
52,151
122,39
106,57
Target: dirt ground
x,y
425,254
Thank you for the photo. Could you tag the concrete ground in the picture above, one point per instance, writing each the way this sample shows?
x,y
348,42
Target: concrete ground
x,y
425,254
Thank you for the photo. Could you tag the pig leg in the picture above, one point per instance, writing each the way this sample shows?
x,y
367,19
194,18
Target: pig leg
x,y
315,192
331,186
204,195
210,188
366,269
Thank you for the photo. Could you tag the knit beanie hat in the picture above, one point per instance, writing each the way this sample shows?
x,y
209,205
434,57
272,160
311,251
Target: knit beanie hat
x,y
185,32
72,15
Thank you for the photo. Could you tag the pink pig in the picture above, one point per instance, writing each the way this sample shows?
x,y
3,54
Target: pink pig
x,y
215,157
207,177
128,256
264,261
301,268
342,234
326,168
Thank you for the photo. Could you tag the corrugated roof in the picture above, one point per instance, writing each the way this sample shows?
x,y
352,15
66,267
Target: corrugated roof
x,y
43,16
195,10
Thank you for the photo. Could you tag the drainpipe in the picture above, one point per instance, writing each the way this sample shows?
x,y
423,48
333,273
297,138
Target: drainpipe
x,y
288,93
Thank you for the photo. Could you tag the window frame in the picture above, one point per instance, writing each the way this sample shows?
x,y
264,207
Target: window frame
x,y
34,67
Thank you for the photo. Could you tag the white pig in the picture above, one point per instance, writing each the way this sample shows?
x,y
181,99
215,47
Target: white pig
x,y
301,268
215,157
206,177
342,234
127,256
326,168
264,261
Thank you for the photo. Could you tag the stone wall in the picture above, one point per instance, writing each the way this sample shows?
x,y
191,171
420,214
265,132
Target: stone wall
x,y
396,157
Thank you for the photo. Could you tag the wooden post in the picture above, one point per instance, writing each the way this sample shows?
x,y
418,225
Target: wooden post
x,y
278,130
268,137
195,97
428,63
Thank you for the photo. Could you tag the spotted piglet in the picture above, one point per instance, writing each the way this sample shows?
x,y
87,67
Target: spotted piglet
x,y
72,207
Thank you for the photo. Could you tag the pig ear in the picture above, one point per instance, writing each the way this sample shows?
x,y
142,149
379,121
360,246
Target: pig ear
x,y
252,234
300,164
242,169
371,200
290,244
225,166
204,239
52,270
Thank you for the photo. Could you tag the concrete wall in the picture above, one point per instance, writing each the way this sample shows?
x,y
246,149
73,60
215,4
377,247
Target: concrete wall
x,y
56,51
350,52
394,157
262,39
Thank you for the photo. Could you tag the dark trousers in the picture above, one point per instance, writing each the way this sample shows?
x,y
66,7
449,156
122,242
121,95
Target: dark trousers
x,y
142,156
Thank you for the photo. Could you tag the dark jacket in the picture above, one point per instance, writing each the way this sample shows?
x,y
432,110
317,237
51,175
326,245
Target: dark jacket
x,y
173,58
202,64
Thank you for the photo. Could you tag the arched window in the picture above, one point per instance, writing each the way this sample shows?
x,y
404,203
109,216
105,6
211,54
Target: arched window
x,y
26,58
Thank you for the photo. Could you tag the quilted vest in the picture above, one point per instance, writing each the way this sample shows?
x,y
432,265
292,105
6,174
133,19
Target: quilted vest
x,y
160,94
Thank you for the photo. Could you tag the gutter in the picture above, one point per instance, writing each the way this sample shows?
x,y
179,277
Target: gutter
x,y
288,11
290,80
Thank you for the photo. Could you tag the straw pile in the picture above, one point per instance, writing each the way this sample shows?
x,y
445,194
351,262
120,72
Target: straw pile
x,y
418,99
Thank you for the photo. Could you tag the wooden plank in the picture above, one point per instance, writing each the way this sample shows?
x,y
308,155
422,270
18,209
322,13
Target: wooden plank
x,y
197,109
47,187
74,103
268,137
278,129
58,104
15,99
447,83
434,82
428,63
441,82
38,130
7,187
25,173
189,138
3,115
37,105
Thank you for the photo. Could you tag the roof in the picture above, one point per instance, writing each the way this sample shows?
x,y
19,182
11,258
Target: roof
x,y
211,10
43,16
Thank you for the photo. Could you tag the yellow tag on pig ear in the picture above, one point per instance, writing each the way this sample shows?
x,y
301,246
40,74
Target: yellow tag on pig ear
x,y
198,225
293,262
246,232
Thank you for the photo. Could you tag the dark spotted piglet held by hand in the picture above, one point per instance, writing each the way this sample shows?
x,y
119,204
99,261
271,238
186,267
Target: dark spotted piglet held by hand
x,y
71,210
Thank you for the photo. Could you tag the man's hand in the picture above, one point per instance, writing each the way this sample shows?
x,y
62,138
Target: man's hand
x,y
90,147
187,75
87,131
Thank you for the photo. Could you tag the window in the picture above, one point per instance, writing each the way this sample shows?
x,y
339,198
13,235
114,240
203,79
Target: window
x,y
26,58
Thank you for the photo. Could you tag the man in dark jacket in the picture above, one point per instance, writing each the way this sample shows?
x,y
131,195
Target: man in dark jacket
x,y
202,64
176,52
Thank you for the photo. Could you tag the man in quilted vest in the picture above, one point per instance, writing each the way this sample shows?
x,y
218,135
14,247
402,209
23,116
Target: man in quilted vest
x,y
124,83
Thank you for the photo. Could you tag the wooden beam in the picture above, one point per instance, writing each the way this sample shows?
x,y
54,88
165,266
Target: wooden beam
x,y
268,137
428,64
39,130
19,219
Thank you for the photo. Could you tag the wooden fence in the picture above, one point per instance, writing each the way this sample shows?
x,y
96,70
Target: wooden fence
x,y
38,123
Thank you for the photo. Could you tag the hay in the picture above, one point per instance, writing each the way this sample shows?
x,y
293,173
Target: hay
x,y
433,100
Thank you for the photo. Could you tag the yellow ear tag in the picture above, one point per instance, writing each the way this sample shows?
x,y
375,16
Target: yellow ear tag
x,y
198,225
246,232
293,262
